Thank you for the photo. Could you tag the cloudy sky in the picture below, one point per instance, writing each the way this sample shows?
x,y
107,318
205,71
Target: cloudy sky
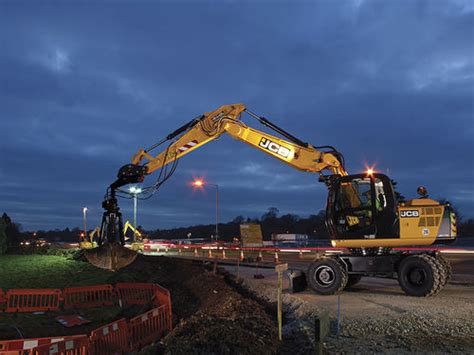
x,y
83,85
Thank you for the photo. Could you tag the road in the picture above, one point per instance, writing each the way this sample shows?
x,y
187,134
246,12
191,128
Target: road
x,y
376,316
462,262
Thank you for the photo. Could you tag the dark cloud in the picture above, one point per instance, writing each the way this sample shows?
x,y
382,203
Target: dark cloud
x,y
83,85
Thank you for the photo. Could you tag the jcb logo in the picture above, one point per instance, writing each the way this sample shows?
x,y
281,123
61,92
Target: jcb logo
x,y
409,213
275,147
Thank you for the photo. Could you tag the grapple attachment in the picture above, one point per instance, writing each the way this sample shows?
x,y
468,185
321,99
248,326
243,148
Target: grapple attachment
x,y
110,256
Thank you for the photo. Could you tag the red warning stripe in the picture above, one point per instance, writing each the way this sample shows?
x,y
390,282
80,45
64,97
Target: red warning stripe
x,y
187,146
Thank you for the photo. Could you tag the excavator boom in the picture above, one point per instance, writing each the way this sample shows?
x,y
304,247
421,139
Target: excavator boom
x,y
191,136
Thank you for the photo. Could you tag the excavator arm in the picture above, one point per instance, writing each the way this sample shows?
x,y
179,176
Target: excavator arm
x,y
194,134
227,120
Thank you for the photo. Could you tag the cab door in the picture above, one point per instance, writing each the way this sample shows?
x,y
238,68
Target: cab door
x,y
362,207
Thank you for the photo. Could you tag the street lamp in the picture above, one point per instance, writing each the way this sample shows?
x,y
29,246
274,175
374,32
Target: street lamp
x,y
84,218
135,191
201,184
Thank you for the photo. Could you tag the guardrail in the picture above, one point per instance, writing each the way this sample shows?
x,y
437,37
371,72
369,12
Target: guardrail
x,y
116,337
269,254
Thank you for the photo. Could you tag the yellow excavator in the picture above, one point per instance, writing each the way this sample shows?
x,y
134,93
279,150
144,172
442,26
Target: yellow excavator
x,y
362,211
89,243
137,238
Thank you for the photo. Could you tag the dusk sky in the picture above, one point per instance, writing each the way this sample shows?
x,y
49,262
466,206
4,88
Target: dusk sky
x,y
84,85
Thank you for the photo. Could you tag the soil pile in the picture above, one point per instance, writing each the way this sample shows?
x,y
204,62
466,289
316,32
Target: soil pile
x,y
209,315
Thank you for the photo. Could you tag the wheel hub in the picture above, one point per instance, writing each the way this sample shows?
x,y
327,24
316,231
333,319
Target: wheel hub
x,y
324,276
417,276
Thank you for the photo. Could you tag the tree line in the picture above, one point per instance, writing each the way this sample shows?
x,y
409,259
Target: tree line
x,y
272,222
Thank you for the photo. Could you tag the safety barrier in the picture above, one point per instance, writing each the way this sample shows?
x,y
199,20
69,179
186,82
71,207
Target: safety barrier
x,y
78,345
148,327
32,300
88,296
116,337
111,338
10,347
135,293
163,297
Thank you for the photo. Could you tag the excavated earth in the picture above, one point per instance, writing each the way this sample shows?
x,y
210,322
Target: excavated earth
x,y
209,315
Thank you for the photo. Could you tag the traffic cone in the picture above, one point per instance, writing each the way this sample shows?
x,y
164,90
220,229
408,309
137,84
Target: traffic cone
x,y
195,252
209,253
276,260
242,255
223,253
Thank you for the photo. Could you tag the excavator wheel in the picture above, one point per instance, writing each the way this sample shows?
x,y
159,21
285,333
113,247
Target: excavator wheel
x,y
447,267
326,276
420,276
110,256
352,280
443,272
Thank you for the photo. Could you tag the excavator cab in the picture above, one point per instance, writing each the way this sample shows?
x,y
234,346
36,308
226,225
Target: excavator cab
x,y
361,206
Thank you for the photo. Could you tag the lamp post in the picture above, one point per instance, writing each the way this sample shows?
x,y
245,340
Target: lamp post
x,y
135,191
84,219
201,184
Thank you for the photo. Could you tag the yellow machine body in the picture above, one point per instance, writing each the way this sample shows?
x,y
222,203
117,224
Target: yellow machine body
x,y
421,222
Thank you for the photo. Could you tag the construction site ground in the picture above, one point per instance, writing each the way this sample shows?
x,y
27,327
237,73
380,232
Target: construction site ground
x,y
209,315
217,314
375,315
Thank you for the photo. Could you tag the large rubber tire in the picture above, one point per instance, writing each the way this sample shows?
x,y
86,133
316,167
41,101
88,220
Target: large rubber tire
x,y
447,267
326,276
443,272
352,280
419,276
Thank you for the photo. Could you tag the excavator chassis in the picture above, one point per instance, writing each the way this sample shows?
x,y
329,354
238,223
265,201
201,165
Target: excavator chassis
x,y
419,274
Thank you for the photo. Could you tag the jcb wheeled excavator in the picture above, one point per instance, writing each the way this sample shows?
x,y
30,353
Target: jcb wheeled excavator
x,y
362,213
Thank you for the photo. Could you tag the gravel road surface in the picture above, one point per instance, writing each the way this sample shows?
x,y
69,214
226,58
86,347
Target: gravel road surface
x,y
375,316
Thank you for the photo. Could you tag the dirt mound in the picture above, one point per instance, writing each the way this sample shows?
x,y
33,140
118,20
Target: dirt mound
x,y
210,316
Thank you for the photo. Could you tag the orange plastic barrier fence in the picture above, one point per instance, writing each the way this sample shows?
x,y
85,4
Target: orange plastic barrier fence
x,y
148,327
76,346
21,346
88,296
163,297
32,300
110,339
116,337
135,293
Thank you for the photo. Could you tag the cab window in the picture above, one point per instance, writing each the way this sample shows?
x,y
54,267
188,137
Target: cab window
x,y
362,205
